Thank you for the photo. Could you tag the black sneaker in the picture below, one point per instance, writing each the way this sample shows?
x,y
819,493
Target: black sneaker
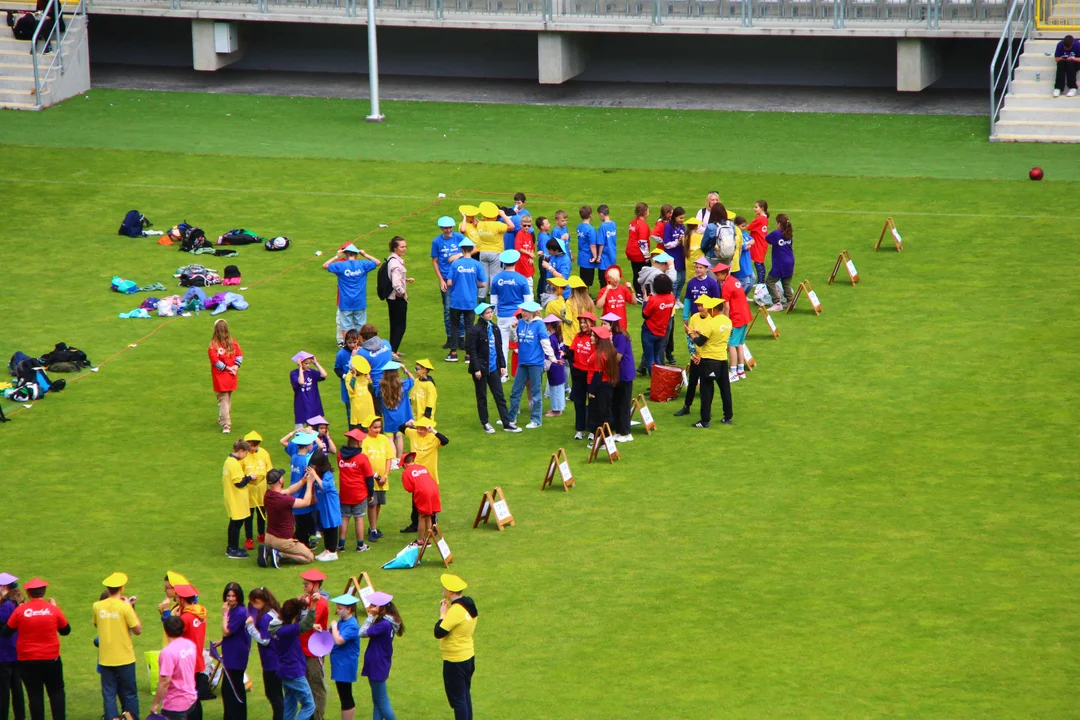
x,y
361,547
312,542
235,554
642,372
726,421
512,428
701,424
410,529
275,558
682,411
372,536
378,533
341,546
670,360
452,357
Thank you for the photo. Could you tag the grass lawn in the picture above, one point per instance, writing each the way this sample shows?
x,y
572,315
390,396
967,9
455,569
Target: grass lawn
x,y
887,530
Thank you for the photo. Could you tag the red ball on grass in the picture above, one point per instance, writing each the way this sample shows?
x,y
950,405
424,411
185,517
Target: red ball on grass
x,y
1036,173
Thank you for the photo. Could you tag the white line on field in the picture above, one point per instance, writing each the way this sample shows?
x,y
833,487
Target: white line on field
x,y
377,196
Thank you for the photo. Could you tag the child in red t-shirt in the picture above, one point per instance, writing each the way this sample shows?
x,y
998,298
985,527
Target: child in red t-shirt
x,y
614,297
757,228
525,243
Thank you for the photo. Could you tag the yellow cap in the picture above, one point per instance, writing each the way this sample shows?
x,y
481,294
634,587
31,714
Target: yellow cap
x,y
469,210
453,583
692,222
731,215
656,250
489,209
360,364
253,436
424,422
557,282
425,363
708,302
575,282
117,579
366,422
176,578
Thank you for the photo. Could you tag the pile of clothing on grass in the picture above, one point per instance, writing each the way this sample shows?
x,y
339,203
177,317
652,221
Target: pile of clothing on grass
x,y
195,299
30,374
192,239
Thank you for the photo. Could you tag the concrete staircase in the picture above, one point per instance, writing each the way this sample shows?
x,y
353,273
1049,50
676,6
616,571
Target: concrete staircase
x,y
1031,113
17,69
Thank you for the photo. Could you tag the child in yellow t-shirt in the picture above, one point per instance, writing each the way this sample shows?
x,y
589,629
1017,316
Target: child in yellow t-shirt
x,y
425,442
380,450
256,464
424,394
358,386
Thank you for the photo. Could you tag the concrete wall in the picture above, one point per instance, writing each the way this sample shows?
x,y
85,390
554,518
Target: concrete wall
x,y
808,61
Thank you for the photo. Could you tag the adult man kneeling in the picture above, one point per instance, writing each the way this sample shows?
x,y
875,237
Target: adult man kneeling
x,y
280,523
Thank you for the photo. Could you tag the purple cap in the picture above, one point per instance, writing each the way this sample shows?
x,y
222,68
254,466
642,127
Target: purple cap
x,y
611,317
8,579
321,643
703,261
552,318
379,599
317,420
301,356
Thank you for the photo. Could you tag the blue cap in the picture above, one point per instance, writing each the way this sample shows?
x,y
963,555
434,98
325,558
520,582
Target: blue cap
x,y
562,244
304,438
529,306
509,257
350,248
662,258
345,600
482,308
466,243
446,221
392,365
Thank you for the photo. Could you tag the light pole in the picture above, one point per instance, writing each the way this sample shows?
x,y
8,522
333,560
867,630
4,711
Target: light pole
x,y
373,64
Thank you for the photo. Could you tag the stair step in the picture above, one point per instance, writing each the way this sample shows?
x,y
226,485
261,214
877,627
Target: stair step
x,y
16,83
1041,101
1057,115
10,70
18,106
1013,137
1037,60
1039,128
1029,75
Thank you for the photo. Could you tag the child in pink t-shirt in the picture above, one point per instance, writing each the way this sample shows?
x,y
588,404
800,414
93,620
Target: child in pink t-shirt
x,y
176,671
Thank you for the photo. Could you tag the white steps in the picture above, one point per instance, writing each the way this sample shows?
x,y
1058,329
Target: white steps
x,y
1030,112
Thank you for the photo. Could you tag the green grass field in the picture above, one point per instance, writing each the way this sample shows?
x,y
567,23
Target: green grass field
x,y
887,530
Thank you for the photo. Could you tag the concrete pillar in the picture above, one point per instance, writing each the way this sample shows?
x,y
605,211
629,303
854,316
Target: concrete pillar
x,y
561,56
215,44
918,63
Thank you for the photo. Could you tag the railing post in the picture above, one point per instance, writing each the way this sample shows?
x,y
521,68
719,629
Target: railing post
x,y
658,12
748,13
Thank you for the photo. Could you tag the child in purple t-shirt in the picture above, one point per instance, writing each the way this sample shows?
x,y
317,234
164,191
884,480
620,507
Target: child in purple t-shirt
x,y
556,374
307,402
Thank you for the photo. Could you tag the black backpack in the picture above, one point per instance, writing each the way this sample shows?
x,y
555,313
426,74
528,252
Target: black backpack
x,y
279,243
240,236
134,223
383,286
62,353
194,239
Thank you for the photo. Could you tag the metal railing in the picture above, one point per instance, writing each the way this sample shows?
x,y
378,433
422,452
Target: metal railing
x,y
53,42
930,14
1057,15
1018,26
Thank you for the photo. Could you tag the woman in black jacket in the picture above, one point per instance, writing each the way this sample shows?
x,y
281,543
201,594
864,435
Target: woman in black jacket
x,y
487,365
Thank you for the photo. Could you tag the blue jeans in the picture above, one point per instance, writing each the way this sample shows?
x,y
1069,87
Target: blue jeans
x,y
557,395
298,692
680,282
652,348
119,679
534,375
381,700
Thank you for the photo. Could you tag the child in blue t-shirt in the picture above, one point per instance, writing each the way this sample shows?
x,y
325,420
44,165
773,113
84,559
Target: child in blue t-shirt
x,y
588,253
397,410
607,237
327,503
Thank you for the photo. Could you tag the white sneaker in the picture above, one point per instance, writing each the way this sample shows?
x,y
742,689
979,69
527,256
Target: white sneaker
x,y
624,438
778,307
498,422
1057,93
318,534
512,428
1071,93
488,429
733,378
532,426
579,436
506,378
590,437
326,556
742,375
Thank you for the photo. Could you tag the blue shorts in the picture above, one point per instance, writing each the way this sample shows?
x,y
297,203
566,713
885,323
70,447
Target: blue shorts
x,y
738,336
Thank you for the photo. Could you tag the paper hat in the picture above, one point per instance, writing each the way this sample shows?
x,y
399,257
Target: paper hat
x,y
313,575
530,306
482,308
692,222
379,599
469,210
720,267
489,209
304,438
321,643
186,591
301,356
466,243
117,579
425,363
424,422
587,315
317,420
392,365
602,333
253,437
656,250
350,248
509,257
575,282
703,261
360,364
446,221
366,422
408,458
662,258
7,579
708,302
452,582
610,317
345,600
553,319
176,578
35,583
356,434
557,281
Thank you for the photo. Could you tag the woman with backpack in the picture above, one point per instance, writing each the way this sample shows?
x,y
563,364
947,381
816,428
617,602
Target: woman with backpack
x,y
397,300
225,360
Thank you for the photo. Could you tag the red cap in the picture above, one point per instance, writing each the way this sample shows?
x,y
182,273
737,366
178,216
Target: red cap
x,y
185,591
602,333
587,315
313,575
35,583
720,267
408,458
356,434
